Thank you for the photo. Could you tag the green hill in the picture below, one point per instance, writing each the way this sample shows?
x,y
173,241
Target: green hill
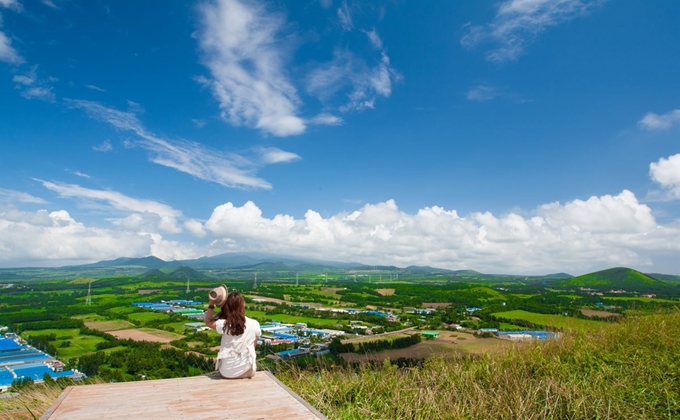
x,y
184,272
618,278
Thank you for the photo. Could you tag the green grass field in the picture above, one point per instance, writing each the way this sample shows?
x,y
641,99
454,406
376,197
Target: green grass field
x,y
504,326
641,299
123,309
555,321
148,316
291,319
80,344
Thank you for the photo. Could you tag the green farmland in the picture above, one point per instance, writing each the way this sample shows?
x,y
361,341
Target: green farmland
x,y
548,320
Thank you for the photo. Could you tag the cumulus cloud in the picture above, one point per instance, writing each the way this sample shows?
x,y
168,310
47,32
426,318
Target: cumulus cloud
x,y
579,235
54,238
12,197
228,169
247,64
666,172
652,121
518,22
144,212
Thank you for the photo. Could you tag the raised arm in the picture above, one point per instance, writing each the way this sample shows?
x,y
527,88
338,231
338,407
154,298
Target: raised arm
x,y
209,315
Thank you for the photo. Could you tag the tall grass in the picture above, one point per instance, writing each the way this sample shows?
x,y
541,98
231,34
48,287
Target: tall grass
x,y
629,370
33,401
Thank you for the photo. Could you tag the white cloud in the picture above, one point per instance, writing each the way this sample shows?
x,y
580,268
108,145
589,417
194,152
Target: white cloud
x,y
97,88
576,236
227,169
325,119
146,213
653,121
26,79
195,227
11,4
375,39
482,93
7,53
518,22
80,174
326,3
240,48
666,172
54,238
45,238
345,16
362,83
49,3
32,87
12,196
269,155
39,92
199,122
104,147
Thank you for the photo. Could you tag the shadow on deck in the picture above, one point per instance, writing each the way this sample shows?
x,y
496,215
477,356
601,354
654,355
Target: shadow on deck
x,y
197,397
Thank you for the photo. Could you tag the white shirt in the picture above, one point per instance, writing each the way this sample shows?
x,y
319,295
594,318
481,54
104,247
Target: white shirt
x,y
237,352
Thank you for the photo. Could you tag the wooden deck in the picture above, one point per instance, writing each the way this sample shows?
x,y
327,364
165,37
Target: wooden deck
x,y
198,397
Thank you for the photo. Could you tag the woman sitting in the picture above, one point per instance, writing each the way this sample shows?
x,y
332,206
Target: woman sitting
x,y
236,358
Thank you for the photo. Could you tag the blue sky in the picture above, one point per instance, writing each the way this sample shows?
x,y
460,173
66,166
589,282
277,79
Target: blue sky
x,y
519,136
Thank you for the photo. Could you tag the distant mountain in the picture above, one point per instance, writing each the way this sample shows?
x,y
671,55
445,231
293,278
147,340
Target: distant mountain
x,y
665,277
180,273
428,269
558,276
184,273
617,278
265,266
240,259
154,274
376,267
468,273
148,262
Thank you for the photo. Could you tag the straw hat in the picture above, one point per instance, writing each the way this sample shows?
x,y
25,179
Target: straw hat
x,y
218,295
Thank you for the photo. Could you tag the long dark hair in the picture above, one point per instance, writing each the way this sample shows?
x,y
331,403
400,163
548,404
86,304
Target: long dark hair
x,y
234,312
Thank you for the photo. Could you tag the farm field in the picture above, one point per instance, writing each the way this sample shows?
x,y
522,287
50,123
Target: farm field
x,y
591,313
111,325
448,344
79,343
147,334
148,316
548,320
293,319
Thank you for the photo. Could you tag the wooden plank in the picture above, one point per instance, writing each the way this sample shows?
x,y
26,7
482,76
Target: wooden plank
x,y
199,397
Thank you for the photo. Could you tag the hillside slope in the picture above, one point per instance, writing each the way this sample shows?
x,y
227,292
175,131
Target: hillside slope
x,y
624,371
617,278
